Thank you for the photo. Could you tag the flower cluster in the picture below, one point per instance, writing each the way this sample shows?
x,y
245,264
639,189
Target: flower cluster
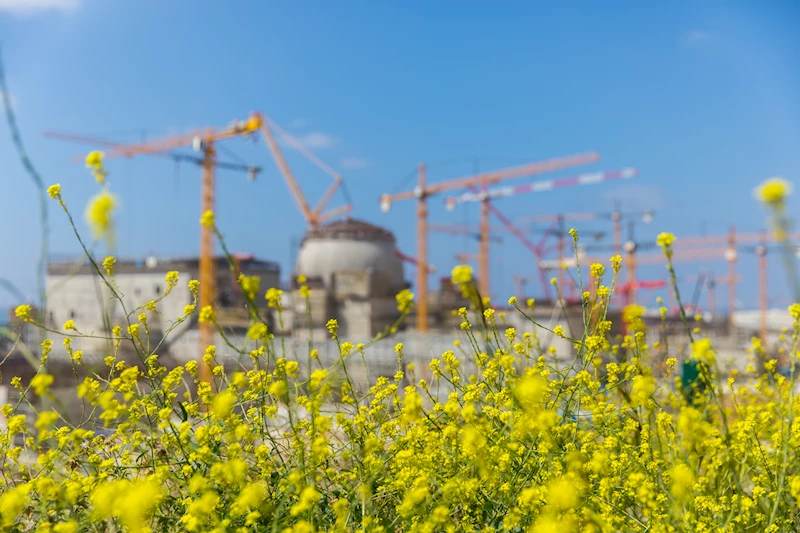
x,y
500,433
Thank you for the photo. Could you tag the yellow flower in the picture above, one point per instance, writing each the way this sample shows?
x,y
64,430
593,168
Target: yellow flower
x,y
194,286
258,331
99,213
23,312
512,300
665,240
308,497
461,274
207,314
207,219
171,279
273,297
531,302
597,270
69,325
95,159
108,264
40,383
531,391
71,526
703,351
54,191
333,327
250,285
642,389
773,191
405,301
559,330
682,480
223,404
562,494
616,263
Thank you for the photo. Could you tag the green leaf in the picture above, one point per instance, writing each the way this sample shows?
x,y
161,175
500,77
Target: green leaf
x,y
184,414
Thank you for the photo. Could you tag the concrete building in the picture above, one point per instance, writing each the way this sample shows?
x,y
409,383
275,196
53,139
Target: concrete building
x,y
354,275
78,293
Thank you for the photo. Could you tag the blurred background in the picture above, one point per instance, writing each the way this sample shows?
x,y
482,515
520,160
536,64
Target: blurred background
x,y
679,109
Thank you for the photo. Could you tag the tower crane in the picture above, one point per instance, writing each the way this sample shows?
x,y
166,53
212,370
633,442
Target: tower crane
x,y
716,248
314,216
203,141
539,186
422,191
252,171
616,216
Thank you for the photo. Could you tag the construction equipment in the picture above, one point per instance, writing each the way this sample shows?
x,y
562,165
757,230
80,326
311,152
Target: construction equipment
x,y
617,216
252,171
421,193
541,186
408,259
485,194
314,216
202,141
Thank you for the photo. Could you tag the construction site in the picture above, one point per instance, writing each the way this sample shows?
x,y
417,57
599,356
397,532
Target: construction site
x,y
354,268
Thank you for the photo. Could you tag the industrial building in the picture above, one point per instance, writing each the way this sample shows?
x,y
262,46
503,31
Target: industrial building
x,y
76,292
354,275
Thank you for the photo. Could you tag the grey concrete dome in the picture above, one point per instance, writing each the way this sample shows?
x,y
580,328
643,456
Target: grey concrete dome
x,y
348,245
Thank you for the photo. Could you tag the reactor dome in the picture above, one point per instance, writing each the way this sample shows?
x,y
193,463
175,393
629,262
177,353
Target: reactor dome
x,y
348,245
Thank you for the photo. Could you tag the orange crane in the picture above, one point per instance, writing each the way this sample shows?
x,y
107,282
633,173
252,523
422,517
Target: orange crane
x,y
314,216
421,193
616,216
202,141
485,194
252,171
714,248
761,250
410,260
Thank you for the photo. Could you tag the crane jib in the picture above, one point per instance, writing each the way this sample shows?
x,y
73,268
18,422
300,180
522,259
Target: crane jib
x,y
546,185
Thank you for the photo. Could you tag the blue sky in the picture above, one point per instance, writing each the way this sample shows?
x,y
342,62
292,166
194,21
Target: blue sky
x,y
699,96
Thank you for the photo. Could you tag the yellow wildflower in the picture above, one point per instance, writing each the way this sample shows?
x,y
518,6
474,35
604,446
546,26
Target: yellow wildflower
x,y
773,191
108,264
40,383
23,312
461,274
665,240
207,314
95,159
99,213
54,191
207,219
405,301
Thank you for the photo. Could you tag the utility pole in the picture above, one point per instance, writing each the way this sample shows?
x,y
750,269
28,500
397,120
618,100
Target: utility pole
x,y
208,285
711,285
616,218
630,250
561,254
731,255
761,252
422,252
